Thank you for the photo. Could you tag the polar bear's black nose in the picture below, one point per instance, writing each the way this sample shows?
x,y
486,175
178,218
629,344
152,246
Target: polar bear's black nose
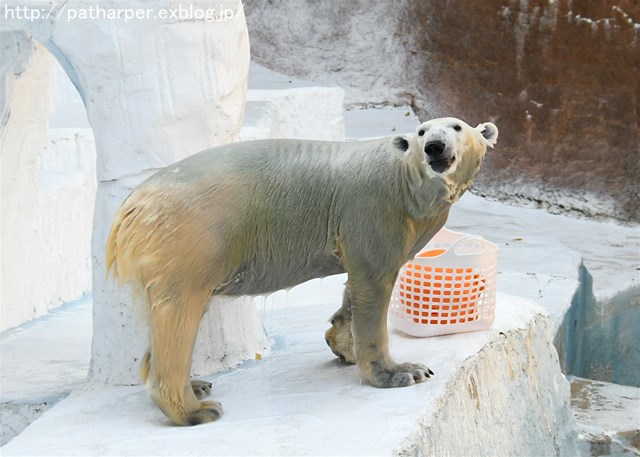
x,y
434,148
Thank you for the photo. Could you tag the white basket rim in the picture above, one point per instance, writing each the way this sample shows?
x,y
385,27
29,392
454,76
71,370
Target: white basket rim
x,y
461,238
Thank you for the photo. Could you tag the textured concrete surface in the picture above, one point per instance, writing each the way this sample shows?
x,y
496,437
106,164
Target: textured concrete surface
x,y
167,86
41,363
607,416
47,190
298,400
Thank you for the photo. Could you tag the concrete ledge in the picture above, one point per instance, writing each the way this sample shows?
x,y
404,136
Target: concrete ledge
x,y
310,113
42,362
607,417
260,122
303,109
361,124
497,392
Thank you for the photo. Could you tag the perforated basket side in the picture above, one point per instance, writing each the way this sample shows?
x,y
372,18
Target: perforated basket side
x,y
453,292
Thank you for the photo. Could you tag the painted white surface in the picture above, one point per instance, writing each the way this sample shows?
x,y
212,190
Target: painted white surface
x,y
184,92
368,123
261,121
609,250
26,104
68,111
42,362
279,106
299,400
310,113
48,189
287,107
200,71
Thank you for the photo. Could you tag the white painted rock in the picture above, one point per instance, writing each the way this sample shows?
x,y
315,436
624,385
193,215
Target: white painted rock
x,y
156,89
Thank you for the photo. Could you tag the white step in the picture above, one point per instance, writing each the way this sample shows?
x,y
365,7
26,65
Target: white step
x,y
362,124
284,107
261,121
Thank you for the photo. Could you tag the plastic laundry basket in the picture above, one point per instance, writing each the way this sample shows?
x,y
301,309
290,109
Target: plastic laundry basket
x,y
448,287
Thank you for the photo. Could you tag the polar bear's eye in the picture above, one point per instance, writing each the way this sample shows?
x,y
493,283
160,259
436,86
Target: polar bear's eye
x,y
457,128
421,132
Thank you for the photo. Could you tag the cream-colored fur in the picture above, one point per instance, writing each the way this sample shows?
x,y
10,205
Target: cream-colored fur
x,y
254,217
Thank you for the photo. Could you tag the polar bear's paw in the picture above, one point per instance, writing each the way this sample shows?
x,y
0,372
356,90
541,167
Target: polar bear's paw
x,y
201,389
209,411
399,375
340,339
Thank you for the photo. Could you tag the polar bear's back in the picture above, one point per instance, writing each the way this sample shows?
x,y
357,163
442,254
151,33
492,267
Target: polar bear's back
x,y
261,215
271,159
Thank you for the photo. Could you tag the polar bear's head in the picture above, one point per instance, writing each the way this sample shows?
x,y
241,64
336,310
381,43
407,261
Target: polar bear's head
x,y
443,145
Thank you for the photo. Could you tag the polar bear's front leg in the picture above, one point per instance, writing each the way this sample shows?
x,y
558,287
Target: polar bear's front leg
x,y
339,336
370,302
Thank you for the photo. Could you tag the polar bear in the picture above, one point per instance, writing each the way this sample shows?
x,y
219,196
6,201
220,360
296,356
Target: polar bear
x,y
257,216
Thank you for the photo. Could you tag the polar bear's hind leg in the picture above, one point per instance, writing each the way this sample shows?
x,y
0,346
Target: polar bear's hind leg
x,y
339,337
168,263
174,327
201,389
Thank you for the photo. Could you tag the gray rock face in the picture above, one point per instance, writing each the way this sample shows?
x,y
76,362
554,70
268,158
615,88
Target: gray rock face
x,y
337,42
560,78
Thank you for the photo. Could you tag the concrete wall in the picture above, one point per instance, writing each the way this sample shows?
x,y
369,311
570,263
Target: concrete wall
x,y
509,399
155,91
610,340
48,189
598,336
559,78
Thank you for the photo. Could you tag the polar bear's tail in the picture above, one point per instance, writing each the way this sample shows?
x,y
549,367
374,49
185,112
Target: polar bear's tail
x,y
125,243
160,247
138,251
119,242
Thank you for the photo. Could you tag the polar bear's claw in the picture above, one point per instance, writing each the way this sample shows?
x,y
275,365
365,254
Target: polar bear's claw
x,y
201,389
209,411
340,340
400,375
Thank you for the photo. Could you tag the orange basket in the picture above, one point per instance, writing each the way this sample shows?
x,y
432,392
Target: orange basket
x,y
448,287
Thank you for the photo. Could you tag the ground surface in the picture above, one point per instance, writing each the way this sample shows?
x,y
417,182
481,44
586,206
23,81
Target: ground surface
x,y
297,400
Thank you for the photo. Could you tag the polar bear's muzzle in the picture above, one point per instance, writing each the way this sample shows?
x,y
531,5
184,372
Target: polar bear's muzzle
x,y
439,156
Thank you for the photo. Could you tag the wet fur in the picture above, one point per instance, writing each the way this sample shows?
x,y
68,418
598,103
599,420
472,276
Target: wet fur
x,y
254,217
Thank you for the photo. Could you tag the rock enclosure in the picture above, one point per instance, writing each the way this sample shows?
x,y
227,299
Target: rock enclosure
x,y
558,77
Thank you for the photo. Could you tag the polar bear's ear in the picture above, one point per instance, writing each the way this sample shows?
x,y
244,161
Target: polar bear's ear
x,y
400,143
489,132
